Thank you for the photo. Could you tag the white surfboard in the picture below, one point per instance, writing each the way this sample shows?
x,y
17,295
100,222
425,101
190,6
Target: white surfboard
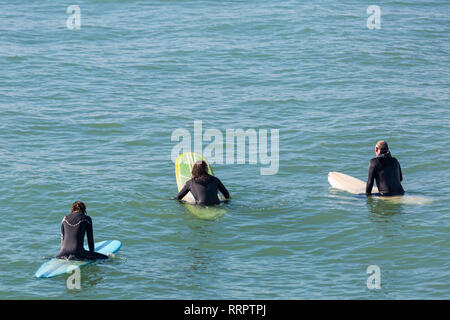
x,y
347,183
353,185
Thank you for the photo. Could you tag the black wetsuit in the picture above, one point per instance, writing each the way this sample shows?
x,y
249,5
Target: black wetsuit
x,y
204,190
73,228
386,170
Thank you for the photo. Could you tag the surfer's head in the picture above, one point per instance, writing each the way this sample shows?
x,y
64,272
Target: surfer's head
x,y
200,169
78,206
381,147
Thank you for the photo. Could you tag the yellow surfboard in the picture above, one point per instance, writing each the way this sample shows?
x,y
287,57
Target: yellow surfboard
x,y
183,169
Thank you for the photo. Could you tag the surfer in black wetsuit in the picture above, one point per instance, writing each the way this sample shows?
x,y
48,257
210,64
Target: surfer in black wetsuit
x,y
386,171
203,186
73,228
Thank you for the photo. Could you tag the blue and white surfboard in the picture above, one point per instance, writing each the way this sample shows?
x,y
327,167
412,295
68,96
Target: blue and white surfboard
x,y
56,267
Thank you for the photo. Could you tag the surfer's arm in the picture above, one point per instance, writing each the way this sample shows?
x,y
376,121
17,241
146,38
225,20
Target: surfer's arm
x,y
370,178
184,191
400,171
90,234
224,190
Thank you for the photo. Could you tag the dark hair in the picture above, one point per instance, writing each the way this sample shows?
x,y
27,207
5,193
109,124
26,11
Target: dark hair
x,y
199,170
78,206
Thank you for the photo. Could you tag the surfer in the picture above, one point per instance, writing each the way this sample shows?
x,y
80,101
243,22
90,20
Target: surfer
x,y
203,186
73,228
386,170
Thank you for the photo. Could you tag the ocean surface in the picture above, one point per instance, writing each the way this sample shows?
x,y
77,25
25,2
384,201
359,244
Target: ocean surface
x,y
89,114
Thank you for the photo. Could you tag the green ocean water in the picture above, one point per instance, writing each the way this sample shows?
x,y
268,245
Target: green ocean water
x,y
88,114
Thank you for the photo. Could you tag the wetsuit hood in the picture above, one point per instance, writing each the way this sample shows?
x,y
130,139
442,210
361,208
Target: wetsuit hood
x,y
75,217
384,154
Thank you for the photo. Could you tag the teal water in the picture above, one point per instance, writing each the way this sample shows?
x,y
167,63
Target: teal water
x,y
88,115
